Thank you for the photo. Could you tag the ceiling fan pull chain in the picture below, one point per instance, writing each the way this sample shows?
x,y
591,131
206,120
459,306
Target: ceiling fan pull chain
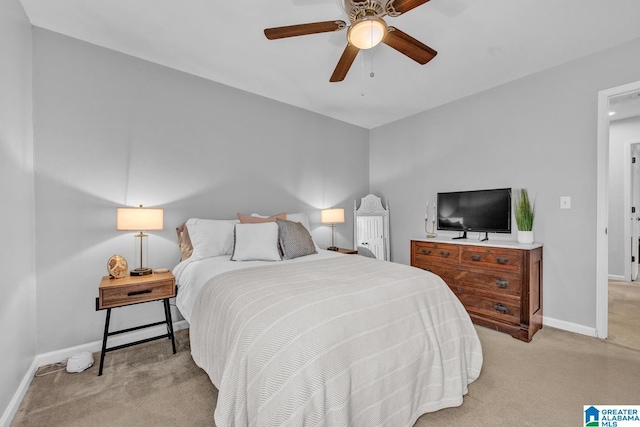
x,y
372,74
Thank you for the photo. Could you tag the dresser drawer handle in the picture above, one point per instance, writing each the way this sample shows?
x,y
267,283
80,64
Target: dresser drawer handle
x,y
146,291
501,308
426,268
476,257
502,260
426,251
445,253
502,283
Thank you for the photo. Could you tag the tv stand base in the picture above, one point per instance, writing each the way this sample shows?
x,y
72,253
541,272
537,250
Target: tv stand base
x,y
464,236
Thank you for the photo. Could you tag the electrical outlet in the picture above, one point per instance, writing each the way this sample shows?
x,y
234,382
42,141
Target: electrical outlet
x,y
565,202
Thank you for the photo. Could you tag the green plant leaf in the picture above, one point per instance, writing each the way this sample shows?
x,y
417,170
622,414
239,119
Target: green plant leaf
x,y
523,210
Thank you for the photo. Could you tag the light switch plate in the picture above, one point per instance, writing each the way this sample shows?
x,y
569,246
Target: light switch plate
x,y
565,202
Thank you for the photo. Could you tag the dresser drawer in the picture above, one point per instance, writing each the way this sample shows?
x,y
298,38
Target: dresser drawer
x,y
500,282
428,252
134,293
447,271
491,257
502,309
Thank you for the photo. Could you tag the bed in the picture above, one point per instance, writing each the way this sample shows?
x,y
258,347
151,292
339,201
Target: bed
x,y
325,339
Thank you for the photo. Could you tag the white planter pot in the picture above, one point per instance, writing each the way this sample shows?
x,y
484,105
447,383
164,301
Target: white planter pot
x,y
525,236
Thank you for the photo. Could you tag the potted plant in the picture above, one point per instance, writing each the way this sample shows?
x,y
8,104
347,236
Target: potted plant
x,y
523,210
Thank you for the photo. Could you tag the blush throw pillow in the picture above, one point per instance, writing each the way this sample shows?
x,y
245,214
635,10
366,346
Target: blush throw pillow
x,y
211,237
256,242
255,219
295,240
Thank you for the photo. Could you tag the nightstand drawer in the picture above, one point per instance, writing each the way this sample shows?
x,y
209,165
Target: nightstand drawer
x,y
135,293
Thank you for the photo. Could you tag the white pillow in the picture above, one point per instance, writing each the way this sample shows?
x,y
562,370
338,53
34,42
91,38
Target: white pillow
x,y
256,242
301,217
211,237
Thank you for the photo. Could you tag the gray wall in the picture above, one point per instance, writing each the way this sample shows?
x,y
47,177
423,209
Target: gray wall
x,y
620,131
112,130
17,285
538,132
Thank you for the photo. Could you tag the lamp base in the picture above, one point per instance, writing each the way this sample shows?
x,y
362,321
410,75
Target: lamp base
x,y
332,248
142,271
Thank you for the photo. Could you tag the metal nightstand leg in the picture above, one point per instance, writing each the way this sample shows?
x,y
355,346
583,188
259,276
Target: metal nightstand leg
x,y
104,340
167,314
169,335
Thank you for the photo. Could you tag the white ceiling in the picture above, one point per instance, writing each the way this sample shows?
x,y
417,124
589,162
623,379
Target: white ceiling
x,y
480,44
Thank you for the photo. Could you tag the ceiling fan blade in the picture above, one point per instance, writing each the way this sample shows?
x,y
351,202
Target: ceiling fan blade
x,y
349,54
404,6
304,29
407,45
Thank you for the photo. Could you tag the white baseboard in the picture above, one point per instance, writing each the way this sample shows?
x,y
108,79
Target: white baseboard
x,y
64,354
568,326
616,277
10,411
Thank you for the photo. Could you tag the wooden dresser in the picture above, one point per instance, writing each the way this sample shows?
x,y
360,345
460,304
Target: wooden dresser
x,y
499,283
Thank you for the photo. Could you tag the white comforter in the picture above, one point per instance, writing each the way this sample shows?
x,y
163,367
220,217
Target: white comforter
x,y
340,341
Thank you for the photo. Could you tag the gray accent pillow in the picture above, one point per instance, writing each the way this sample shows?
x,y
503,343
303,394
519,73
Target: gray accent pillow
x,y
295,240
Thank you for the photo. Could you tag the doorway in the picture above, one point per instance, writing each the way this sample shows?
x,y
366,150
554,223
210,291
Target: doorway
x,y
632,206
602,204
624,203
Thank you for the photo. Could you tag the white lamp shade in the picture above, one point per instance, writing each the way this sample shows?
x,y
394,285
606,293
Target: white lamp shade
x,y
332,216
139,219
367,33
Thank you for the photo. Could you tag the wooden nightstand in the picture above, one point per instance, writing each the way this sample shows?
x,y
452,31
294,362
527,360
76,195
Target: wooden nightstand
x,y
129,290
347,251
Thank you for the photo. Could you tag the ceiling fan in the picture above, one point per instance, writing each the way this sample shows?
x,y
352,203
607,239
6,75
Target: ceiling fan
x,y
366,30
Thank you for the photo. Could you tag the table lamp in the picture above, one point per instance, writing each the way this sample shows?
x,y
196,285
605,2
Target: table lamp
x,y
140,219
332,216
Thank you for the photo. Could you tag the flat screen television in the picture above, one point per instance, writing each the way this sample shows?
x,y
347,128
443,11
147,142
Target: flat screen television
x,y
484,211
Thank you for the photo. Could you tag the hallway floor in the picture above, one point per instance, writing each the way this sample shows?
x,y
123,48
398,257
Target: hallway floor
x,y
624,313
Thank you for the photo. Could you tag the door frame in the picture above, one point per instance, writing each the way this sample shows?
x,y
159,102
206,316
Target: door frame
x,y
602,205
628,203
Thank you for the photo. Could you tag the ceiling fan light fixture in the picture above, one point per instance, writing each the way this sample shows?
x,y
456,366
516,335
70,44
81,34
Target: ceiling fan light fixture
x,y
367,32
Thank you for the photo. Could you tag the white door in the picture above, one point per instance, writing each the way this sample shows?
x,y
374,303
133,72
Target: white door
x,y
635,202
370,234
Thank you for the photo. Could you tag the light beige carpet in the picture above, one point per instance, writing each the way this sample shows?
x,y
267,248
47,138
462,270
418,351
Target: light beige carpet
x,y
624,313
542,383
